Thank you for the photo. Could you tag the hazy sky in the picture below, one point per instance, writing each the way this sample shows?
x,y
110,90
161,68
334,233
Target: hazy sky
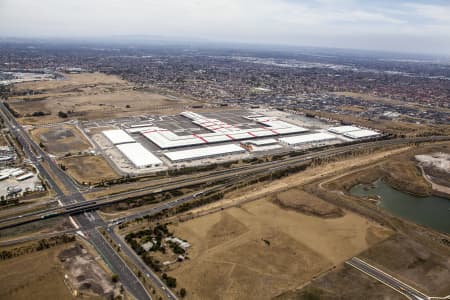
x,y
400,25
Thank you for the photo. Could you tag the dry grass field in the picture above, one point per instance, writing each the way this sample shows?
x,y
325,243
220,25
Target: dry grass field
x,y
74,83
89,96
61,139
37,276
260,250
344,283
60,272
306,203
89,168
418,264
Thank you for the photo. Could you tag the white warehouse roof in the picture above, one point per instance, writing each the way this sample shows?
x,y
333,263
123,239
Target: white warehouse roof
x,y
117,136
343,129
262,142
219,132
138,155
364,133
200,153
307,138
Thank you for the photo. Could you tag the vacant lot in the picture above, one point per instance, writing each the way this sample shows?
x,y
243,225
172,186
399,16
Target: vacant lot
x,y
306,203
85,275
260,250
37,276
344,283
61,139
89,169
423,266
88,96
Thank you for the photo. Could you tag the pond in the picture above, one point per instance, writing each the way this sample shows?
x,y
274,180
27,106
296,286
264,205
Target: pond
x,y
430,211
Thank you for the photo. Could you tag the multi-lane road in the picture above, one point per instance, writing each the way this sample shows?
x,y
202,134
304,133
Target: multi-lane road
x,y
73,202
72,195
387,279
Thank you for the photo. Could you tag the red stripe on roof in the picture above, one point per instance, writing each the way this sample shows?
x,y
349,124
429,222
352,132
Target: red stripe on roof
x,y
251,133
229,136
274,131
199,137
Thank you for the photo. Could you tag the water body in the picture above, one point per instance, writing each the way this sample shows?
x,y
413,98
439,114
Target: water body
x,y
430,211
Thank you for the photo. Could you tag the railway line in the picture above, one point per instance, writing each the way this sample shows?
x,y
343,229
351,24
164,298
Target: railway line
x,y
73,202
209,178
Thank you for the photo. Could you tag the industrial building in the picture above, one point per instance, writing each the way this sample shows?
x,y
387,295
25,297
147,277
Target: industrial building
x,y
307,138
219,132
343,129
152,142
139,156
118,136
361,134
263,142
25,176
193,154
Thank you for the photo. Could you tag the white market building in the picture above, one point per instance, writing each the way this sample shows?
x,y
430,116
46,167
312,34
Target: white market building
x,y
139,156
361,134
307,138
118,136
205,152
343,129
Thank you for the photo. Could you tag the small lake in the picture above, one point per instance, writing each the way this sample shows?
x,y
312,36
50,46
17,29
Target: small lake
x,y
430,211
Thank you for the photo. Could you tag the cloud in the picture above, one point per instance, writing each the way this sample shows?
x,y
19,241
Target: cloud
x,y
344,23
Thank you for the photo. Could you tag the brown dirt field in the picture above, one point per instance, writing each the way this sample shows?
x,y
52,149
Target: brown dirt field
x,y
308,204
343,283
90,96
229,258
72,81
85,274
38,275
89,168
61,140
415,263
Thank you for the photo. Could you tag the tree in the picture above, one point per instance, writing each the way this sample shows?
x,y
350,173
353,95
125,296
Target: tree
x,y
183,292
114,278
62,114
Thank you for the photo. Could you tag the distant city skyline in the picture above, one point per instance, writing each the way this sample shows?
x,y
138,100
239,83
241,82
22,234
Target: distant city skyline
x,y
403,26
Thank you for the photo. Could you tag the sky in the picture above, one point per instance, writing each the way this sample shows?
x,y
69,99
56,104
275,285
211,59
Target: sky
x,y
421,26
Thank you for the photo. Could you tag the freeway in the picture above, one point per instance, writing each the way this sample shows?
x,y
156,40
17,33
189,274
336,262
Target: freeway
x,y
36,154
217,176
387,279
73,202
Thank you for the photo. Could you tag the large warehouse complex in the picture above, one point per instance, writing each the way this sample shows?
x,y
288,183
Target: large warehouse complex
x,y
219,132
156,144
